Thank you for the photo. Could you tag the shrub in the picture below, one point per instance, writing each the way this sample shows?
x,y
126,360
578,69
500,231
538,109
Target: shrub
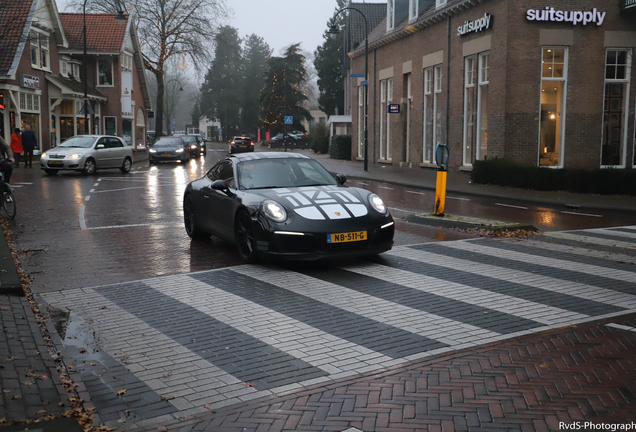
x,y
340,147
318,138
504,172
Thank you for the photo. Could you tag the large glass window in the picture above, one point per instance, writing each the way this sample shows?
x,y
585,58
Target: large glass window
x,y
553,96
469,109
615,107
432,132
105,72
482,109
390,14
409,104
386,96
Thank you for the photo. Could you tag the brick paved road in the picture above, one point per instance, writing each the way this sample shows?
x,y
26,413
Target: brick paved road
x,y
271,348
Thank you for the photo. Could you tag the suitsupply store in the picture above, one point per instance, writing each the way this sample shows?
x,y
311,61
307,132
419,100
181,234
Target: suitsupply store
x,y
544,84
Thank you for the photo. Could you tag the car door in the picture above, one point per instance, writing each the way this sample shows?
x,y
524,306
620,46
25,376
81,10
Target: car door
x,y
220,205
102,155
116,151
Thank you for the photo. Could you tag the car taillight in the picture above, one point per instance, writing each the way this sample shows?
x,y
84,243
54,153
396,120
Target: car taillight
x,y
232,142
251,143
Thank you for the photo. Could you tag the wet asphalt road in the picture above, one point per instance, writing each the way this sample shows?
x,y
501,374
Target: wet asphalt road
x,y
80,231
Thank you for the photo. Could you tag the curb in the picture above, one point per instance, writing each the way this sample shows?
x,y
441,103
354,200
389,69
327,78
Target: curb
x,y
10,282
468,223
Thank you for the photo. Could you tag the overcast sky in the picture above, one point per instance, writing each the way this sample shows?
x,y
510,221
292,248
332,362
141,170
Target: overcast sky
x,y
283,22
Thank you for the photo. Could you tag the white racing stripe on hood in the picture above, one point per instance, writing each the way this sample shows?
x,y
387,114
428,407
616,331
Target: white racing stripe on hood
x,y
357,209
315,203
335,211
310,213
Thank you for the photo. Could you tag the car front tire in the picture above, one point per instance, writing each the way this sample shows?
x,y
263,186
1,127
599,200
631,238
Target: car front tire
x,y
189,218
89,166
244,235
126,166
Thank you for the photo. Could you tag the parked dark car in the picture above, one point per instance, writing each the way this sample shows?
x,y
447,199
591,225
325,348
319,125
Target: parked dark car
x,y
241,144
169,149
286,205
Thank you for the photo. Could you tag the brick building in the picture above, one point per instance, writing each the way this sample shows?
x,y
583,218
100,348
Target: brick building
x,y
540,83
42,79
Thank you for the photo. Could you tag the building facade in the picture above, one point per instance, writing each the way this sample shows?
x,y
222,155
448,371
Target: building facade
x,y
541,84
44,75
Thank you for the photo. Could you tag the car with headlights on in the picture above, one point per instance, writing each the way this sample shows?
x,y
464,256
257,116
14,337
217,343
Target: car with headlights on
x,y
195,145
287,206
169,149
241,144
87,154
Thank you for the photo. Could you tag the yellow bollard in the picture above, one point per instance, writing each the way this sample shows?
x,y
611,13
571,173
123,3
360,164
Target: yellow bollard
x,y
440,193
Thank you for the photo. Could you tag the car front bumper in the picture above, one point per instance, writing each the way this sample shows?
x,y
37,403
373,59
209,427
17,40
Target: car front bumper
x,y
167,157
62,164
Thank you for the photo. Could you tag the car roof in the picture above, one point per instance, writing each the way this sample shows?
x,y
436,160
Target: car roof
x,y
268,155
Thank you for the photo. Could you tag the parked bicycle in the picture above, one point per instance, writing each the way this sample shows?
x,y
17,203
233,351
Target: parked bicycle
x,y
8,198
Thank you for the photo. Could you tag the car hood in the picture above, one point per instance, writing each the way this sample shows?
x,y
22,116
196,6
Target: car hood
x,y
321,202
65,151
166,148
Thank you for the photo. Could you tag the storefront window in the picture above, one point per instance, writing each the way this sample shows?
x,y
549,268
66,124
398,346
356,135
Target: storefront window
x,y
615,107
386,89
110,125
360,120
126,131
469,110
482,111
553,89
438,106
32,120
429,117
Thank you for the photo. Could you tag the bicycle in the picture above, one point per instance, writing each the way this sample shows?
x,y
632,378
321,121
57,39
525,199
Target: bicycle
x,y
7,197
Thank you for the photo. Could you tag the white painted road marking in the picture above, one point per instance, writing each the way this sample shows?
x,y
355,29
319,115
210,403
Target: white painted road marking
x,y
82,221
457,198
413,192
581,214
513,206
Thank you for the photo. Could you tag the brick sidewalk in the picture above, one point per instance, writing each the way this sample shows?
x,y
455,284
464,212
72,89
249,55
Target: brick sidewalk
x,y
531,383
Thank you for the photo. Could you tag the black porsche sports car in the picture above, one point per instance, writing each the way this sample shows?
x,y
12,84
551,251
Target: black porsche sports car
x,y
286,205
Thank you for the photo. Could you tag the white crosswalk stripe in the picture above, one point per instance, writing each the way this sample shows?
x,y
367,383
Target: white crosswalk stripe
x,y
613,233
192,379
605,272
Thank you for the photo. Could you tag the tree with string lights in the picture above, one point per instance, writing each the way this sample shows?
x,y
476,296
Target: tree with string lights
x,y
282,93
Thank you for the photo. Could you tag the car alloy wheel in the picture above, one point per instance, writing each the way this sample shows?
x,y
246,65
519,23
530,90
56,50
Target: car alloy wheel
x,y
126,166
244,234
89,166
189,218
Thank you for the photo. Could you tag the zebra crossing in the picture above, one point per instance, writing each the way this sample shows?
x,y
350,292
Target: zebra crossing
x,y
186,344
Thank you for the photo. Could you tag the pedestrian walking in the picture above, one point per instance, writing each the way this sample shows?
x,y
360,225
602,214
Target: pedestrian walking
x,y
6,165
29,143
16,146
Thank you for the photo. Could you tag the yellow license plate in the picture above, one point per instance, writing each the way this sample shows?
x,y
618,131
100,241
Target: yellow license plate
x,y
347,237
166,154
56,163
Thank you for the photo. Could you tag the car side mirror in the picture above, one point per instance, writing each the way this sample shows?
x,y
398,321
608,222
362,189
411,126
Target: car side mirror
x,y
100,146
341,179
220,185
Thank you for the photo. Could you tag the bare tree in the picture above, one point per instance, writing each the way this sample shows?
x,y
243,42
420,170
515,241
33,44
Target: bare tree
x,y
168,30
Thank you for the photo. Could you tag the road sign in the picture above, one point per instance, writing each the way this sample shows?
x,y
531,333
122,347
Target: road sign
x,y
289,120
356,75
394,108
365,82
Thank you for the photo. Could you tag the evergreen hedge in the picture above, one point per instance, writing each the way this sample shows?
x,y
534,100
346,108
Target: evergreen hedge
x,y
340,147
504,172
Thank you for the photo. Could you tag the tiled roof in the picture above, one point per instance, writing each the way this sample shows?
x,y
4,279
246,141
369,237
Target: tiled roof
x,y
103,32
375,13
14,16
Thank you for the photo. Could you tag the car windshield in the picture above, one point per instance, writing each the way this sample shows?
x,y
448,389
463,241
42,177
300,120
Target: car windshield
x,y
168,143
189,139
79,142
280,173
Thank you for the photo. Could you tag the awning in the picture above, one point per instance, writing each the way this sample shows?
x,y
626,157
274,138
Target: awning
x,y
74,89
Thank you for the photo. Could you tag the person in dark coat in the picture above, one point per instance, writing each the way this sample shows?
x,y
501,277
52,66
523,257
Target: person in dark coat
x,y
29,143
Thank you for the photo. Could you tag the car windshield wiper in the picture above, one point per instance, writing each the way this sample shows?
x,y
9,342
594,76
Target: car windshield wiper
x,y
267,187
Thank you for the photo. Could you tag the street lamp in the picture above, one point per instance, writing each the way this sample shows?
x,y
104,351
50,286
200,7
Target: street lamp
x,y
177,98
332,32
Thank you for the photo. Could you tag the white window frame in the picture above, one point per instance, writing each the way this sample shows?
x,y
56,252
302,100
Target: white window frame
x,y
483,81
563,79
428,96
470,72
440,4
390,15
76,72
389,99
383,115
360,120
45,53
626,81
409,104
64,68
126,61
29,102
413,9
112,72
34,40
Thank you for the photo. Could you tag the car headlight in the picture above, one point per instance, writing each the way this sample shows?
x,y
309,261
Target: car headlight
x,y
152,150
179,150
193,146
43,156
377,203
274,211
74,156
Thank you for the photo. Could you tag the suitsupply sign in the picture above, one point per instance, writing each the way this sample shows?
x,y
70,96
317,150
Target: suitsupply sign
x,y
574,17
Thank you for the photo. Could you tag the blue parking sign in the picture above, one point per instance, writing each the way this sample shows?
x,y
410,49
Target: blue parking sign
x,y
289,120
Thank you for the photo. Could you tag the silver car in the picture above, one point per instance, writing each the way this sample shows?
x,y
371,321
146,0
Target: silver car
x,y
88,153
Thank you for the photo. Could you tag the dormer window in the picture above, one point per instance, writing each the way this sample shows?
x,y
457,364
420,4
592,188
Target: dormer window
x,y
440,4
390,14
74,69
413,12
64,68
40,54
